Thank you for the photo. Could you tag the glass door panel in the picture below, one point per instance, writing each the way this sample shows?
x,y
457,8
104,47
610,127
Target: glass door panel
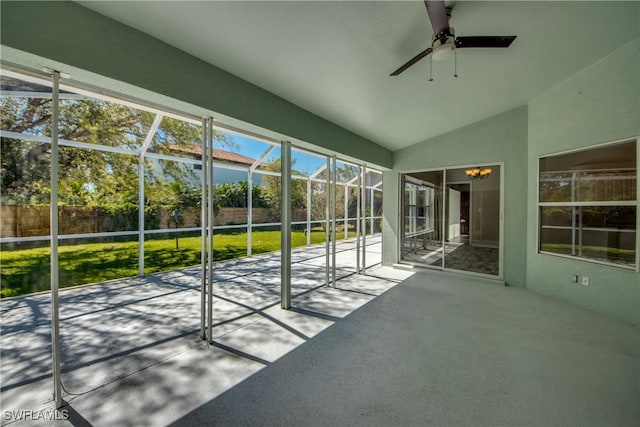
x,y
451,219
473,221
422,231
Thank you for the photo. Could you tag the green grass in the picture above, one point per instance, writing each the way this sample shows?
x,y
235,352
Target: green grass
x,y
25,271
601,253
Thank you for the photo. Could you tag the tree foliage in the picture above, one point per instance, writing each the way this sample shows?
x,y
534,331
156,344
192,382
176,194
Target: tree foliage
x,y
109,181
98,179
272,189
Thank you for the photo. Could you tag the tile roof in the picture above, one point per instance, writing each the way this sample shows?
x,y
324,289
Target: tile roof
x,y
223,155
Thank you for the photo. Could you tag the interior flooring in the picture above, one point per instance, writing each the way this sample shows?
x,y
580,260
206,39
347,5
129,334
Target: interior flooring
x,y
459,255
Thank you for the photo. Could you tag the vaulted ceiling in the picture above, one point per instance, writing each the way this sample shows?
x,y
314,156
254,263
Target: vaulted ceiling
x,y
334,58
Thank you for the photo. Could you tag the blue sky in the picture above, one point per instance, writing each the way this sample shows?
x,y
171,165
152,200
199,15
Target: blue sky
x,y
303,162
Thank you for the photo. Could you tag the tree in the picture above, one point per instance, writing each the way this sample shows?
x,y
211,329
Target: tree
x,y
344,174
272,189
99,179
235,195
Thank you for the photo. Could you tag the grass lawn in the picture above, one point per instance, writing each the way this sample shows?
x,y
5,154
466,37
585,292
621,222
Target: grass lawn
x,y
614,255
25,271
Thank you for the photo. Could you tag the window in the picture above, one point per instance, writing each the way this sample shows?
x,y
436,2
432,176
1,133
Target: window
x,y
418,212
588,205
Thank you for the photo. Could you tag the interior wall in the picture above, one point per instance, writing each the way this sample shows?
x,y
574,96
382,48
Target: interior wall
x,y
502,138
75,36
454,214
600,104
485,211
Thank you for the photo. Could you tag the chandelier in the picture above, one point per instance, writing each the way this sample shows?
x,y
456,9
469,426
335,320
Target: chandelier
x,y
478,173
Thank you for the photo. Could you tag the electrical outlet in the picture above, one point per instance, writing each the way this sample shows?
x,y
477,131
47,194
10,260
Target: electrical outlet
x,y
574,279
585,281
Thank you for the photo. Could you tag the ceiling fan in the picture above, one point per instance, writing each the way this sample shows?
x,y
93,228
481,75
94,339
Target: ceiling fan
x,y
445,42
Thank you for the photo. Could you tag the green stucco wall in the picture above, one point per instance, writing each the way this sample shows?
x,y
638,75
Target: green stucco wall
x,y
71,34
502,138
597,105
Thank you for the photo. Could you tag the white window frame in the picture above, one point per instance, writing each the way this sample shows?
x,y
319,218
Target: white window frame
x,y
635,203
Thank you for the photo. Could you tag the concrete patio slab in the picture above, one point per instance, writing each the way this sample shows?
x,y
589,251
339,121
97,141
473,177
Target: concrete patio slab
x,y
128,345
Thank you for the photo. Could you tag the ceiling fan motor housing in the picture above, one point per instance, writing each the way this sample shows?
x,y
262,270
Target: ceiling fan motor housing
x,y
443,50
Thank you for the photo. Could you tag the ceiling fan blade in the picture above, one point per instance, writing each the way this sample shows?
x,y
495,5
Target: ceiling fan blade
x,y
438,16
412,61
484,41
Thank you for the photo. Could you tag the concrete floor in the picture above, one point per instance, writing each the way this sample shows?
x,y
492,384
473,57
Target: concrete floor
x,y
387,349
445,350
119,335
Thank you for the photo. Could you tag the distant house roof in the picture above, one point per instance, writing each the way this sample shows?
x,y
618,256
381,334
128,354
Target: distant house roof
x,y
225,156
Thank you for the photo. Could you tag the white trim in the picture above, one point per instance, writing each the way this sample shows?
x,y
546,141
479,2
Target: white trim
x,y
55,232
441,168
285,228
47,237
68,236
318,172
204,230
306,151
308,207
151,133
159,156
208,152
588,260
141,223
102,96
445,224
28,77
404,175
245,133
264,155
265,224
43,238
80,91
587,204
332,197
67,143
89,91
588,147
38,95
610,230
172,230
351,182
265,172
635,203
96,235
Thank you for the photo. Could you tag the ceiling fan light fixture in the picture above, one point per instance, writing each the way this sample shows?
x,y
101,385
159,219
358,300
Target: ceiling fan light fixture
x,y
443,50
485,172
472,173
478,173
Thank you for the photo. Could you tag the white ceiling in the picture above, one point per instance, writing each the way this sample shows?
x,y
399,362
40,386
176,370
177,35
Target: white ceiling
x,y
334,58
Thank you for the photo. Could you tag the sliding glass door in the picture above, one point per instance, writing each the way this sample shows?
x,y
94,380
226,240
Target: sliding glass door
x,y
451,219
423,218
